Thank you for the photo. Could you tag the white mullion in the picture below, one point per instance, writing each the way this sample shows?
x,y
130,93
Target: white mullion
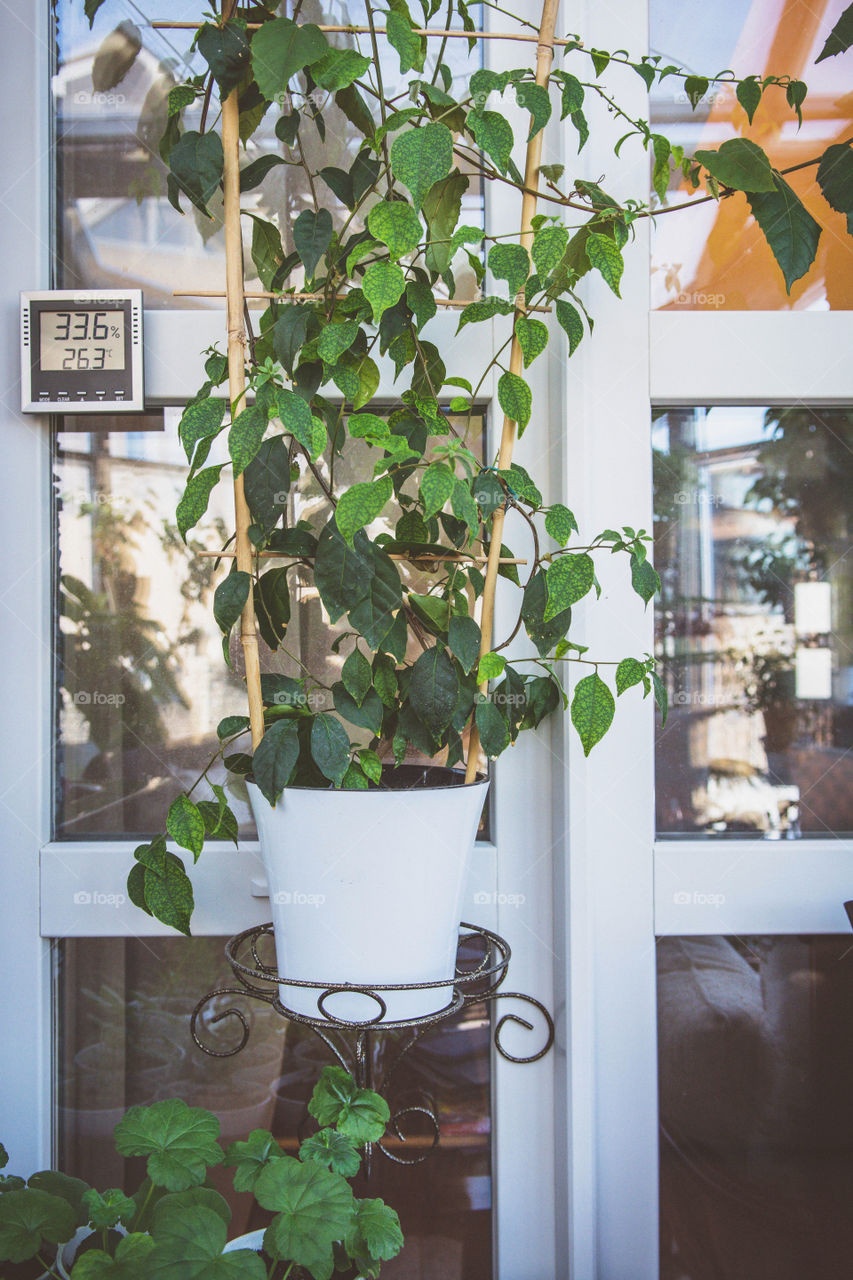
x,y
25,616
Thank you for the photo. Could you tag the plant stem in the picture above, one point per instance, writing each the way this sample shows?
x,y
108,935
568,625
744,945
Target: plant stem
x,y
378,69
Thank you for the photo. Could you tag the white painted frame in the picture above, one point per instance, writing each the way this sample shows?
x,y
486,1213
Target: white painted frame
x,y
230,890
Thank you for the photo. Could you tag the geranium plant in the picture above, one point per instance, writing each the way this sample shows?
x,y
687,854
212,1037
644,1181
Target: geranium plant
x,y
175,1223
362,280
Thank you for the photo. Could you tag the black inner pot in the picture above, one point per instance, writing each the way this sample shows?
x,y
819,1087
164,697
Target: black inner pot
x,y
408,777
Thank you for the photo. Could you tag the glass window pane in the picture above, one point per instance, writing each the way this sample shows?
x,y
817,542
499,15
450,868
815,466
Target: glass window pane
x,y
124,1007
115,225
753,514
755,1050
715,257
141,681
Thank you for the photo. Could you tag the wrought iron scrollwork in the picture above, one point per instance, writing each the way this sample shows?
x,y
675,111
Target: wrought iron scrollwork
x,y
351,1042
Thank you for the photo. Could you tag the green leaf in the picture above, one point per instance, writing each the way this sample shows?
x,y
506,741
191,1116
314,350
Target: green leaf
x,y
335,339
491,666
281,48
185,825
560,523
367,715
437,485
840,38
173,1206
378,1227
441,208
288,334
383,287
433,689
342,574
27,1218
357,676
178,1141
492,134
492,728
535,99
361,504
312,235
246,435
132,1258
385,679
104,1209
484,309
330,747
200,420
338,68
739,164
169,895
420,299
695,87
193,503
190,1244
569,317
549,245
373,616
90,9
835,179
568,580
248,1159
226,51
644,579
337,1100
572,93
229,599
520,485
275,759
592,710
510,262
660,695
196,163
401,36
628,673
421,157
267,253
515,398
464,641
313,1209
532,338
231,725
266,482
333,1150
789,228
749,95
371,764
295,416
396,224
604,256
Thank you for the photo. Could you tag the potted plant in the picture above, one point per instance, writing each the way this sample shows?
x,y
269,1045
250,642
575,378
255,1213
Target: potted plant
x,y
405,561
64,1228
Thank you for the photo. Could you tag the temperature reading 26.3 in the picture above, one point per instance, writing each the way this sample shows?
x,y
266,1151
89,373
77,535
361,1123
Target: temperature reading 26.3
x,y
79,340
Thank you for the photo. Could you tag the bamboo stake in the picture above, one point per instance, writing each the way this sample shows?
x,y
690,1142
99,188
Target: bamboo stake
x,y
314,297
349,29
236,390
544,58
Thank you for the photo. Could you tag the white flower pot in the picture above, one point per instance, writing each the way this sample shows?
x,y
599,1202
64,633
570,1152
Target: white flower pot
x,y
366,887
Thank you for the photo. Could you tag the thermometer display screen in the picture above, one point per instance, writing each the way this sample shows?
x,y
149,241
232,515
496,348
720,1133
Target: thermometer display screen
x,y
82,340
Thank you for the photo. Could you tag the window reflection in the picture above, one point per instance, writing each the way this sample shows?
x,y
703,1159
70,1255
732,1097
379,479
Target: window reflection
x,y
124,1008
714,258
755,1041
755,620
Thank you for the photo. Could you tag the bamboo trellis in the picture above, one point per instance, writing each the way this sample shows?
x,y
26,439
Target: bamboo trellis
x,y
235,297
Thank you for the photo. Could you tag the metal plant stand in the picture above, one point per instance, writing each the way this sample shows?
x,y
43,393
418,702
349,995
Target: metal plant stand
x,y
353,1044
